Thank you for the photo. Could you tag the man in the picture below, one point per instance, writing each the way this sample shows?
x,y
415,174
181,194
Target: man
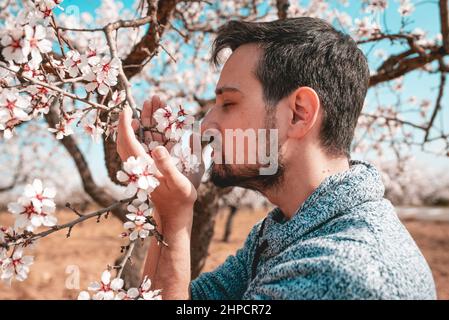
x,y
332,234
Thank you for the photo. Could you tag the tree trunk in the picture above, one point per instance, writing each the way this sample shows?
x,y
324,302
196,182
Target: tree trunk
x,y
205,212
228,227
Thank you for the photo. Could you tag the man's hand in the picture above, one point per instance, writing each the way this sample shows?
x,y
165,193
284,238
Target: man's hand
x,y
176,193
173,200
127,143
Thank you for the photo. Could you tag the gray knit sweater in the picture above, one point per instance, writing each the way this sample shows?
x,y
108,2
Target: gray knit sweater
x,y
344,242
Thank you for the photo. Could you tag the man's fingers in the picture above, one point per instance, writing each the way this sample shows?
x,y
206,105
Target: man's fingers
x,y
165,165
146,114
126,133
149,107
135,124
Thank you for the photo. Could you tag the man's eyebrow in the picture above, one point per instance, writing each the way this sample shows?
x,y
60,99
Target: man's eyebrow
x,y
223,89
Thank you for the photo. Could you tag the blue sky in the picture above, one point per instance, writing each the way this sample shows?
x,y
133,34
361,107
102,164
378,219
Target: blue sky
x,y
424,86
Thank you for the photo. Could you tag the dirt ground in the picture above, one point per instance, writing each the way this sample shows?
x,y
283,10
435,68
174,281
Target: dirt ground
x,y
93,246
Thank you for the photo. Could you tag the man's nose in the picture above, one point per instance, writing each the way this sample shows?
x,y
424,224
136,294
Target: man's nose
x,y
209,121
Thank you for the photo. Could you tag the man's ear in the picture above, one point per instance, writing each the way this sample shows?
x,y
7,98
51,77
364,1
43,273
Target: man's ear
x,y
304,107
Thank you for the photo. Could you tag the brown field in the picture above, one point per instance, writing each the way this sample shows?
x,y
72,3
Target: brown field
x,y
93,246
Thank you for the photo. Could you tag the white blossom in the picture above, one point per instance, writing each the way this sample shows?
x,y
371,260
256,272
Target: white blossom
x,y
365,28
186,161
37,42
15,48
138,174
138,229
75,63
406,8
117,98
13,105
105,289
30,216
94,130
40,195
138,211
62,129
172,122
17,266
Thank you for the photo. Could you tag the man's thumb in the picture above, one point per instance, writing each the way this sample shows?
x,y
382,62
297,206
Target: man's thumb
x,y
164,163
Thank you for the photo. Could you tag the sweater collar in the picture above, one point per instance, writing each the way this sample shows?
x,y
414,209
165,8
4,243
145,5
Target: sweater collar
x,y
333,197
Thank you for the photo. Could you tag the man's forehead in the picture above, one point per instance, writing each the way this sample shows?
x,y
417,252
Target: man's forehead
x,y
238,70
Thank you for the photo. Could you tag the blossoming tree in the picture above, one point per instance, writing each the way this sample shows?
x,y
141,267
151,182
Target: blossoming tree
x,y
67,75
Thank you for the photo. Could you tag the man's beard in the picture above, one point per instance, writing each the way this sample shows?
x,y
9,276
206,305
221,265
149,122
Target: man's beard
x,y
223,175
249,177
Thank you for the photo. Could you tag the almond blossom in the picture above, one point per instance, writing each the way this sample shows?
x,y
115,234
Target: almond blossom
x,y
117,98
47,6
31,70
139,175
94,52
30,216
16,267
113,290
138,211
95,83
164,118
105,289
141,293
62,129
137,229
186,161
35,208
36,38
15,48
75,63
173,123
94,130
365,28
105,72
40,195
13,105
406,8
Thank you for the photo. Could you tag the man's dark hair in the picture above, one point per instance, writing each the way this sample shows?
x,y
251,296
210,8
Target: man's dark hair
x,y
307,52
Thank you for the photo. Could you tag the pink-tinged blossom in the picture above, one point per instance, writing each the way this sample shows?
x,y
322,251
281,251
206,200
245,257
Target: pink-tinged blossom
x,y
186,161
13,106
173,122
30,216
15,48
365,28
138,229
117,98
39,194
61,129
138,211
95,131
75,63
16,267
103,290
37,42
139,176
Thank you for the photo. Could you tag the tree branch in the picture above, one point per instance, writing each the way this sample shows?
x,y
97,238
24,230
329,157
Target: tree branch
x,y
160,13
282,7
444,20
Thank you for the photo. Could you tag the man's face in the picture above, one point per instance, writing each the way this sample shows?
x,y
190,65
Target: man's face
x,y
240,106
